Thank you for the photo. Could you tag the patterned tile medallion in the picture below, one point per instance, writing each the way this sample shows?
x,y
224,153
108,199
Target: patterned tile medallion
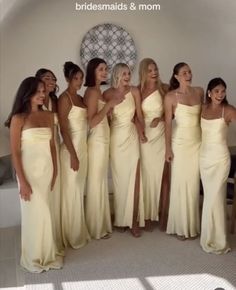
x,y
109,42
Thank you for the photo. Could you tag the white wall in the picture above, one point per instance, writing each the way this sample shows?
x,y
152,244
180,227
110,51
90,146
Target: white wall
x,y
47,33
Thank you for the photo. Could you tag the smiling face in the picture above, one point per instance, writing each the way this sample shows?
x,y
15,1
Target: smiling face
x,y
50,82
125,76
217,94
152,73
77,81
101,73
184,76
38,98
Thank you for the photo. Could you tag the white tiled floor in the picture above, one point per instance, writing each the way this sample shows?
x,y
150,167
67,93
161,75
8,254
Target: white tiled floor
x,y
11,275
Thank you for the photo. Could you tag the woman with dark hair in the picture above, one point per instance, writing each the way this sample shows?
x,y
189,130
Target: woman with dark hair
x,y
215,166
73,123
125,151
50,81
97,200
34,159
154,169
50,104
182,150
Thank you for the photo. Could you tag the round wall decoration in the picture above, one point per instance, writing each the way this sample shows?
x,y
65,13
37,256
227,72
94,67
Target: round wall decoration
x,y
109,42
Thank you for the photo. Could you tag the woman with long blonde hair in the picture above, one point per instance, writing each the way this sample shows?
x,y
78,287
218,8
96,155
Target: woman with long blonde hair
x,y
153,151
124,151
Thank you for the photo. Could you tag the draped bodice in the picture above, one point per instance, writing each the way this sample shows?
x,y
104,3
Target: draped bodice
x,y
77,119
123,113
101,132
187,120
214,131
152,106
36,135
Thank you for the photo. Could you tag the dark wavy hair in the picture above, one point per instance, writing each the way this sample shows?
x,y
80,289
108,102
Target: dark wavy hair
x,y
40,74
211,85
71,69
90,80
174,84
27,89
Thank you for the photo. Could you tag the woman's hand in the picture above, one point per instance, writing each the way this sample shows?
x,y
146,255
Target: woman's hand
x,y
74,162
143,138
169,155
25,191
154,122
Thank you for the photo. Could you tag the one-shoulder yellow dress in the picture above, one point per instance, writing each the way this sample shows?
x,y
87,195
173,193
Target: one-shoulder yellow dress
x,y
55,196
214,169
125,155
97,199
74,228
152,155
183,218
38,248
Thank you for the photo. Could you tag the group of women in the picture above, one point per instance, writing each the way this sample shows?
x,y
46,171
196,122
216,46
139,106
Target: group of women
x,y
142,131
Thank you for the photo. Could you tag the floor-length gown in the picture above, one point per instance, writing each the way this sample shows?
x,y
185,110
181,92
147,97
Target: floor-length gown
x,y
38,248
183,218
74,229
55,196
214,169
152,155
125,155
97,199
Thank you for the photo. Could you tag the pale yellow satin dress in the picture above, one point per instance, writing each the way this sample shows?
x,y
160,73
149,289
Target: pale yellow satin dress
x,y
152,155
38,248
214,168
74,228
98,215
183,218
125,155
55,196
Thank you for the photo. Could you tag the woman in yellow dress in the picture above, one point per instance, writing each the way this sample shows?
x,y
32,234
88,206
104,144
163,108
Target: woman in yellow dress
x,y
125,152
215,166
73,123
182,150
50,104
34,159
97,200
153,151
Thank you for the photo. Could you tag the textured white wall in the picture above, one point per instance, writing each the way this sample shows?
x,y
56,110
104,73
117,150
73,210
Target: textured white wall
x,y
47,33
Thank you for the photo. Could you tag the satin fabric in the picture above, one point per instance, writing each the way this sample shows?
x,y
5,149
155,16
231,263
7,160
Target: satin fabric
x,y
183,218
74,228
152,155
55,196
38,248
125,154
97,199
214,168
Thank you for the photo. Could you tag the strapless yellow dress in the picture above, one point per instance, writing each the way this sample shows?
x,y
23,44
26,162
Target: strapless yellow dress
x,y
74,228
152,155
214,169
38,248
125,154
97,199
183,218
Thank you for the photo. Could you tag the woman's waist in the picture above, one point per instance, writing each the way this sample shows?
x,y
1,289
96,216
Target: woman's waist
x,y
187,133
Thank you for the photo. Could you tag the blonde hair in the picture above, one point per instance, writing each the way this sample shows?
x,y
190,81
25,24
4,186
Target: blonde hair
x,y
117,74
143,71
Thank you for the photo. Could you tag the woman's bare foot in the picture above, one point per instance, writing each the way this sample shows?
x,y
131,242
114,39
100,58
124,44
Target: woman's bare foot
x,y
181,238
136,232
148,226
